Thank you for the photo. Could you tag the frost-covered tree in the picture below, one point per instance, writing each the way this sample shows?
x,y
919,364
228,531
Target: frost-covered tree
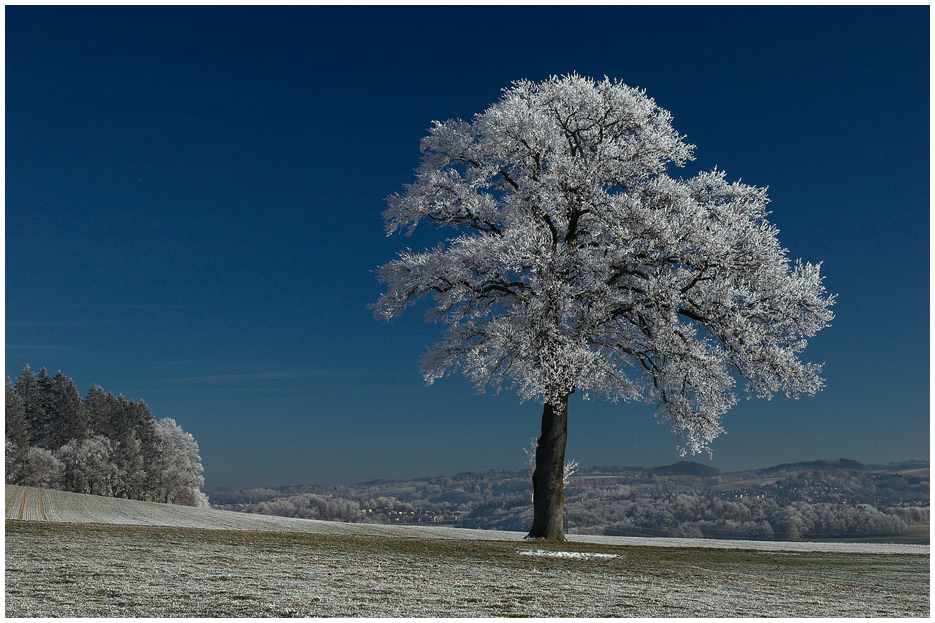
x,y
179,466
87,466
42,469
581,265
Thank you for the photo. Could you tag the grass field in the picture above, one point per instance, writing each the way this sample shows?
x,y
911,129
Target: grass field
x,y
111,568
914,534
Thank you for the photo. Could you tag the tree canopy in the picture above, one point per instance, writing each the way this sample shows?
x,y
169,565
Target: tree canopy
x,y
581,264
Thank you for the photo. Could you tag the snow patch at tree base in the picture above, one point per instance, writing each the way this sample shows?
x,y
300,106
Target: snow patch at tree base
x,y
577,555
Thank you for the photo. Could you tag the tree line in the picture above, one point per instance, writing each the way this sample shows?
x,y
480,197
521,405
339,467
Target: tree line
x,y
102,444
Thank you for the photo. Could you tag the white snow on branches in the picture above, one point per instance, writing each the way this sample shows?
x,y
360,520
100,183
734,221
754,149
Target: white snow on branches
x,y
582,265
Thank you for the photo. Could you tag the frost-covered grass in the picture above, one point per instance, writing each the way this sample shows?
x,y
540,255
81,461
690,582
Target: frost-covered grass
x,y
100,570
249,565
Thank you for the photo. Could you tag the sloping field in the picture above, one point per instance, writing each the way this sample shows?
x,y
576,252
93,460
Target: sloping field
x,y
84,556
31,504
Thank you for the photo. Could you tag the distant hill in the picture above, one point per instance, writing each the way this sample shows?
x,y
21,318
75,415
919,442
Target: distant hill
x,y
839,464
899,466
686,468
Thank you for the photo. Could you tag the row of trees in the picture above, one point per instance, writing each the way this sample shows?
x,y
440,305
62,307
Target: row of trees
x,y
102,445
703,514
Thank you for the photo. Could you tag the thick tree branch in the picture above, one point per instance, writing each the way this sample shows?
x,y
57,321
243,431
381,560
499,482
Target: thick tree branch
x,y
509,180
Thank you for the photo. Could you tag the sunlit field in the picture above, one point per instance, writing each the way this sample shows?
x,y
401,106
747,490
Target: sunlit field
x,y
99,570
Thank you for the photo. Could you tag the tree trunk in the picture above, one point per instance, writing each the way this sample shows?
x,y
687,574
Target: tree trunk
x,y
548,488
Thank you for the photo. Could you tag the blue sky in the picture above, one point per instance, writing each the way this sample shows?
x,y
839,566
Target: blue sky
x,y
194,199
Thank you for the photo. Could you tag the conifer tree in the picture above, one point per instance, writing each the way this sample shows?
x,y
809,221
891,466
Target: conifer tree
x,y
127,456
144,426
68,415
97,406
42,420
17,434
30,395
16,429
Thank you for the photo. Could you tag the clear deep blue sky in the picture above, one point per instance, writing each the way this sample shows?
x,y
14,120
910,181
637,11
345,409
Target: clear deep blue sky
x,y
194,199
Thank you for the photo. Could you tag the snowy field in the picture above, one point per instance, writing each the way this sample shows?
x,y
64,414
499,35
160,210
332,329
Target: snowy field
x,y
76,555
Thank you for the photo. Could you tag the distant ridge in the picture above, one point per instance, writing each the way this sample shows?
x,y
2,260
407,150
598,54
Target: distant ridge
x,y
897,466
685,468
839,464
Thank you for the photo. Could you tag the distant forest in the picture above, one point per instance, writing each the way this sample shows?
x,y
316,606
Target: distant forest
x,y
814,500
102,445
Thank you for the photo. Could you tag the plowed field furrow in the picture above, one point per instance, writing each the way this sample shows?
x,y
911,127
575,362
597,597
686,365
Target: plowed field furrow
x,y
28,504
22,506
13,493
